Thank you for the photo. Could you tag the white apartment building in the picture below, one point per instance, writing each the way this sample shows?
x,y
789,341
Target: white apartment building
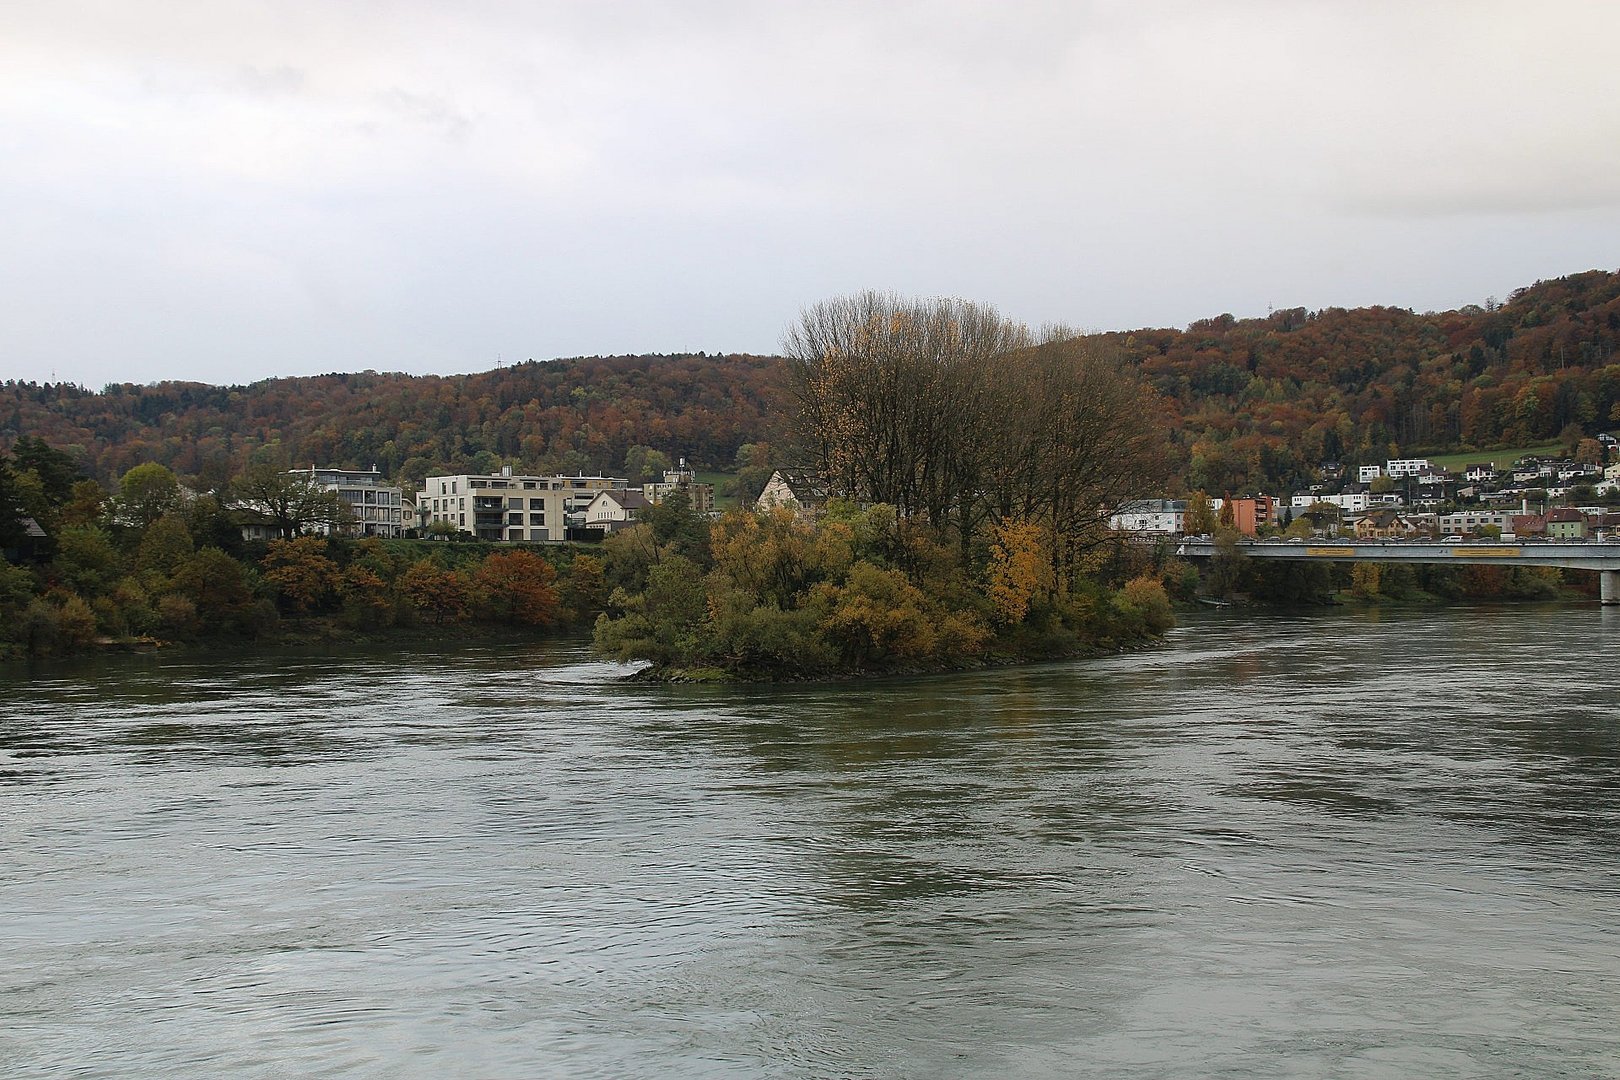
x,y
511,507
375,506
1150,516
1355,502
1405,466
1366,474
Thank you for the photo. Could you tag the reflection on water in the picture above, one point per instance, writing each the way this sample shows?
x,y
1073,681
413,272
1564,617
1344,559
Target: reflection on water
x,y
1335,844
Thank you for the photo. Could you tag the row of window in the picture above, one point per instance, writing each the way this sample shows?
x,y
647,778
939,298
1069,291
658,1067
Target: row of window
x,y
442,505
448,487
371,498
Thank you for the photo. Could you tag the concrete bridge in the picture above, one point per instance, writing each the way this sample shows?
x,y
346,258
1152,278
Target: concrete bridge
x,y
1602,556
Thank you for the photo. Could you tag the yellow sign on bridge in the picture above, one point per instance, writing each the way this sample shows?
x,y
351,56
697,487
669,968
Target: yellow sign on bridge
x,y
1486,552
1339,552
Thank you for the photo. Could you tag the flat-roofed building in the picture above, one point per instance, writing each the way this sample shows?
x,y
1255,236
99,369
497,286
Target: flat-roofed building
x,y
376,507
701,496
1161,517
508,506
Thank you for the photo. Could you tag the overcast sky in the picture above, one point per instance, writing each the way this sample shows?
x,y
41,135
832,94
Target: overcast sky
x,y
226,191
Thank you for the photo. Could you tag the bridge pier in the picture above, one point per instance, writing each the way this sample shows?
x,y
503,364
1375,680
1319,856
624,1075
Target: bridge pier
x,y
1609,586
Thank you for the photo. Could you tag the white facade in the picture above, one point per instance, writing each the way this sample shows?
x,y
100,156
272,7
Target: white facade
x,y
1152,516
1366,474
1355,502
376,507
614,508
511,507
1406,466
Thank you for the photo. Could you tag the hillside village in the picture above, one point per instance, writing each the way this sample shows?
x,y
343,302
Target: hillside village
x,y
1413,499
1407,498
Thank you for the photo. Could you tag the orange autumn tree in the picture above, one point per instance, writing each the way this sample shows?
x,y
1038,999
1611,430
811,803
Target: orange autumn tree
x,y
303,576
516,587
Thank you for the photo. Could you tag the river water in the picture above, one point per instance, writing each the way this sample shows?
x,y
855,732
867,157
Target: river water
x,y
1344,844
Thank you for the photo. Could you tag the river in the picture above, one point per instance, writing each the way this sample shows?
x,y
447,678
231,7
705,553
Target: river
x,y
1338,844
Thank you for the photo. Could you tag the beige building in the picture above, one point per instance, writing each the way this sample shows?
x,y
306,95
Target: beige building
x,y
509,506
682,479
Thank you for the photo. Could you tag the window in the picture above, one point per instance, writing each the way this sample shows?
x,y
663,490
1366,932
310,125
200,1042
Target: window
x,y
537,519
537,504
514,519
528,485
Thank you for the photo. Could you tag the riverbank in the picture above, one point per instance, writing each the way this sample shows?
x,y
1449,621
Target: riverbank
x,y
656,674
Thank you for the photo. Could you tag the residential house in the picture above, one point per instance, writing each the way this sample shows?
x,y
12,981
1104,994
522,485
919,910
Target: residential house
x,y
1384,525
1324,521
615,508
29,546
1482,473
1366,474
1529,525
790,491
1432,476
1567,523
778,492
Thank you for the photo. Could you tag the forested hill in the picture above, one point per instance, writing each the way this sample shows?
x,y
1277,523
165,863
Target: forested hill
x,y
569,415
1262,401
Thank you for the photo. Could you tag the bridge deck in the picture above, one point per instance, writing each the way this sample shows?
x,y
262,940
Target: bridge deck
x,y
1573,554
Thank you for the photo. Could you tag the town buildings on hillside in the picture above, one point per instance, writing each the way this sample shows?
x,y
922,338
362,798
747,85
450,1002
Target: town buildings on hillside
x,y
1412,497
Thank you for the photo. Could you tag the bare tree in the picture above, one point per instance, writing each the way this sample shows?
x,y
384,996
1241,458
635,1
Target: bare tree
x,y
891,394
952,414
